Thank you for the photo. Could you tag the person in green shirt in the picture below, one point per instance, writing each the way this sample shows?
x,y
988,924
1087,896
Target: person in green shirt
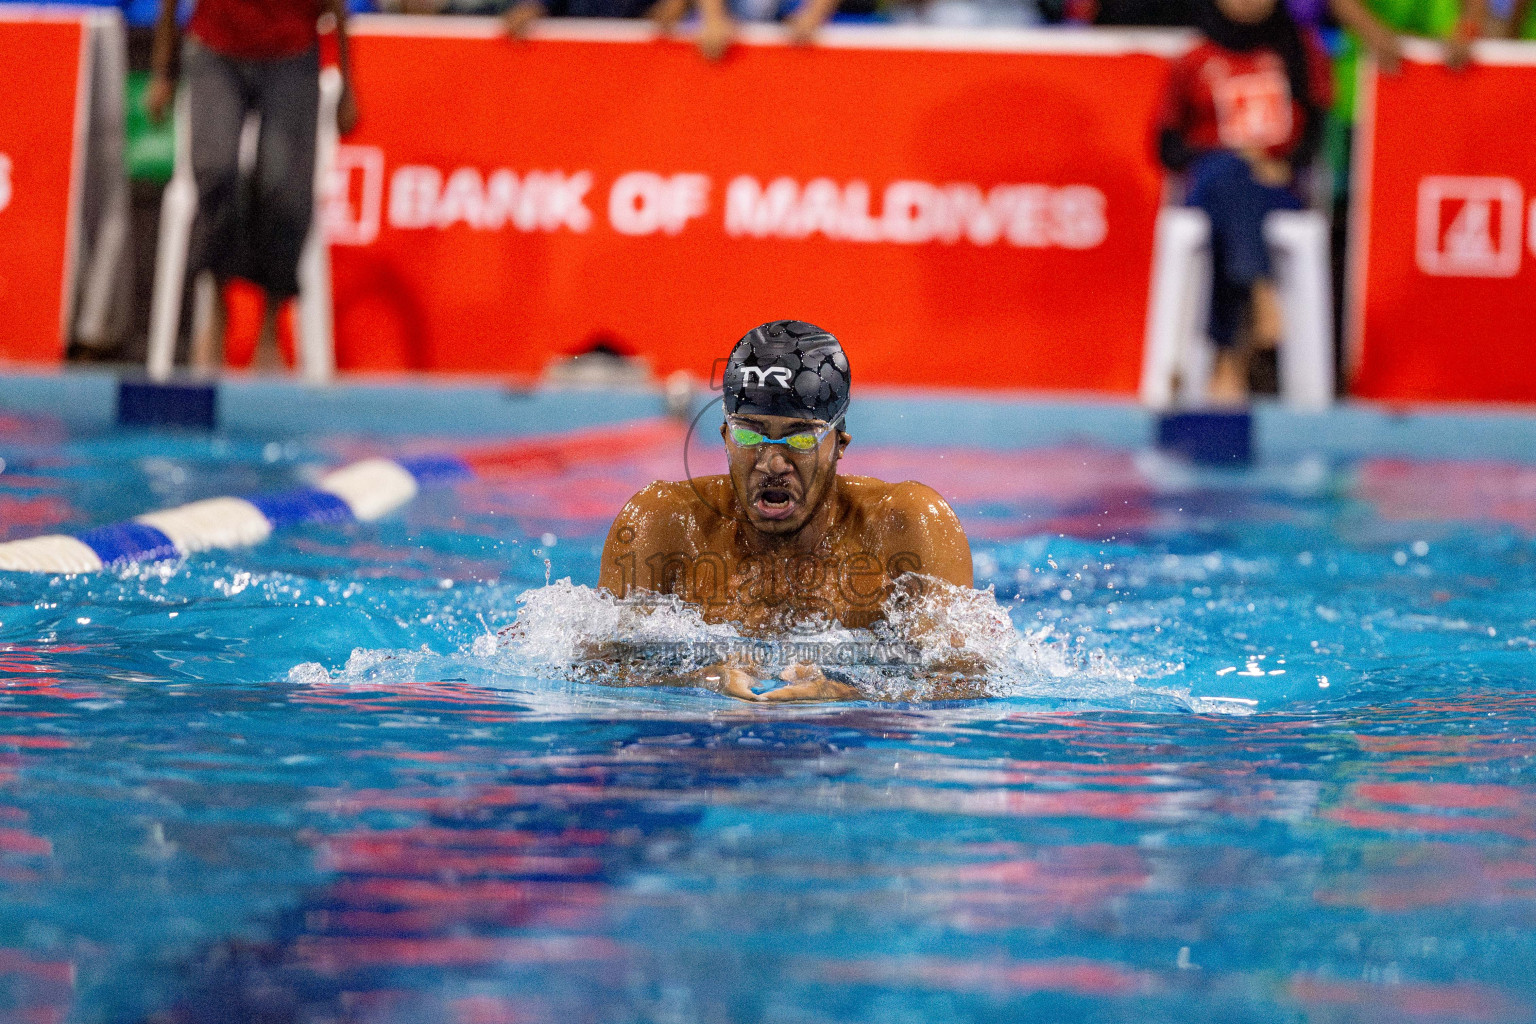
x,y
1522,21
1378,26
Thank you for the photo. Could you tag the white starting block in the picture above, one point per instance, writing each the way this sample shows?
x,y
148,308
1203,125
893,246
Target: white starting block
x,y
1178,351
178,208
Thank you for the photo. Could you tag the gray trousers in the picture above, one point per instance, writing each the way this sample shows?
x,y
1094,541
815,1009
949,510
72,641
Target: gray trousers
x,y
256,230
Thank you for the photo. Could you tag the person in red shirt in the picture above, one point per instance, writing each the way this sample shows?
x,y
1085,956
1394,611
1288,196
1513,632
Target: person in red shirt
x,y
1243,115
244,56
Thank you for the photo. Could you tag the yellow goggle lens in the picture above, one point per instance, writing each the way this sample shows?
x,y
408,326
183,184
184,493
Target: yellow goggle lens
x,y
801,442
745,437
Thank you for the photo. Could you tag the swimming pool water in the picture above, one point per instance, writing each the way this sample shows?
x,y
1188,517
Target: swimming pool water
x,y
1264,753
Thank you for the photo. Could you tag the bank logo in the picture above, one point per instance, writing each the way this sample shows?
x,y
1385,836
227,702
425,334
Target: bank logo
x,y
1469,226
778,374
354,195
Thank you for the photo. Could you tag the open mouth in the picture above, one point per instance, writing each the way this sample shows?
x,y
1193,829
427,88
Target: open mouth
x,y
775,503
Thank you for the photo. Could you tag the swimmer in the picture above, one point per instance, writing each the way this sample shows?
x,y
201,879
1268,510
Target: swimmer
x,y
783,538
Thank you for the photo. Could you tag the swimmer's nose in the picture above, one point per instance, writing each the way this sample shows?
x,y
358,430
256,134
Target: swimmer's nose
x,y
771,460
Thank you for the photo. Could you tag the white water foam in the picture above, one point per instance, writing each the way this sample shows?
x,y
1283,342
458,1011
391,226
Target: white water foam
x,y
937,642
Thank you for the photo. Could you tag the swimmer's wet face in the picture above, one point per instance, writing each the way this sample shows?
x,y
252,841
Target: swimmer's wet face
x,y
783,381
782,467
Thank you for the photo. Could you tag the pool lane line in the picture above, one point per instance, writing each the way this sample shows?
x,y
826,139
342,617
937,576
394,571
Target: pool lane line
x,y
360,492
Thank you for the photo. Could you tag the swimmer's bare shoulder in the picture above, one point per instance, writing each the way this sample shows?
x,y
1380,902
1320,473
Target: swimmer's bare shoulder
x,y
664,518
912,524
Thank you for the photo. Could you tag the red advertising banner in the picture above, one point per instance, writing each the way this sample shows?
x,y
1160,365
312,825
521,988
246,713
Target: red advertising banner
x,y
962,208
1445,241
41,57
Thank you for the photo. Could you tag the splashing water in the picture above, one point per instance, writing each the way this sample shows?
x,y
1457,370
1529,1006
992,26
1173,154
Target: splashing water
x,y
936,642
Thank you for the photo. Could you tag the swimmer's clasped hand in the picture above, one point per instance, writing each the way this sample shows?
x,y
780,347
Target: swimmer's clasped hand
x,y
803,682
729,680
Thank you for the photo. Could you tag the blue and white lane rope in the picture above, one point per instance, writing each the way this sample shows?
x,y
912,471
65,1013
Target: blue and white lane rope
x,y
363,491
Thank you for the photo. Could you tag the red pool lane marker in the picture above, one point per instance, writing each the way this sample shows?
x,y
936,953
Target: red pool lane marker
x,y
1461,1001
36,742
556,453
20,841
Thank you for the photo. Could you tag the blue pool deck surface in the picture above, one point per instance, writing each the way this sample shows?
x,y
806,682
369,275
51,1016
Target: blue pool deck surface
x,y
1258,743
467,407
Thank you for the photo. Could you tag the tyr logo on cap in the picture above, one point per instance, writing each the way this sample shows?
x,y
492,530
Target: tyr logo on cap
x,y
787,368
780,375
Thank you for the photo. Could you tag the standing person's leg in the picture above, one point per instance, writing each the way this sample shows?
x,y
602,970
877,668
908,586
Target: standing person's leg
x,y
1224,186
1214,183
1340,154
1249,265
217,105
289,100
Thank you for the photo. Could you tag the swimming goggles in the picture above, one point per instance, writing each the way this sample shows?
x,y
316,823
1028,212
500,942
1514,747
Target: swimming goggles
x,y
743,436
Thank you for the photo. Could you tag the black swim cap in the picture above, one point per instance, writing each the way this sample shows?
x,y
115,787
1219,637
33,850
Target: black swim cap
x,y
787,368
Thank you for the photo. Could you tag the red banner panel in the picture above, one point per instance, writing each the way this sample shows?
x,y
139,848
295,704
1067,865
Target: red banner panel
x,y
958,215
40,63
1445,240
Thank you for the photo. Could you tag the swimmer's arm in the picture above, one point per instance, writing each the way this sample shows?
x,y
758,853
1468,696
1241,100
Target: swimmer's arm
x,y
616,573
651,524
921,534
917,531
